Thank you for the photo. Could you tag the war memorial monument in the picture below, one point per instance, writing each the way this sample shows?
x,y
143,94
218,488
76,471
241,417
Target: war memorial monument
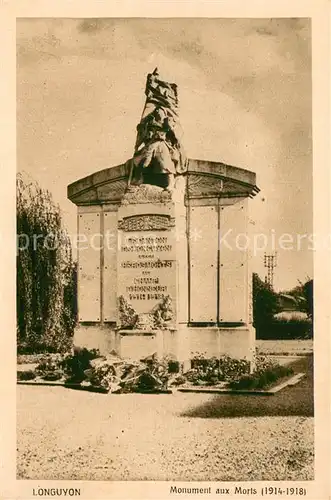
x,y
156,274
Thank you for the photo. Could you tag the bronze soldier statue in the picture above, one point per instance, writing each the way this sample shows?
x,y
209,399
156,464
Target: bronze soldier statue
x,y
159,154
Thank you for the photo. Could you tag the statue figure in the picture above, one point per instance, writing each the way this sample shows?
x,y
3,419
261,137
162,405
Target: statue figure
x,y
159,154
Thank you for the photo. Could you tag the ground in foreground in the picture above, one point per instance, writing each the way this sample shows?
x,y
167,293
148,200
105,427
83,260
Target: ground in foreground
x,y
67,434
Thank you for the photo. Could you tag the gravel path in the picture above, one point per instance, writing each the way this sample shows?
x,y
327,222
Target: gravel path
x,y
67,434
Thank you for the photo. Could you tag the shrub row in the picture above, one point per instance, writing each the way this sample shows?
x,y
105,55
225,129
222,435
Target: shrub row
x,y
261,379
118,375
285,330
214,370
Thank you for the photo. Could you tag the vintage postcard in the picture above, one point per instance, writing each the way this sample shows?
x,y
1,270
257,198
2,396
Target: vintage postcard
x,y
166,197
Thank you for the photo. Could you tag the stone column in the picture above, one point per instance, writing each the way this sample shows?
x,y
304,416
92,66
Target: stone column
x,y
182,340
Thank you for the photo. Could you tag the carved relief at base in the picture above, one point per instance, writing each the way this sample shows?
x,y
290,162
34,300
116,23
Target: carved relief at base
x,y
159,318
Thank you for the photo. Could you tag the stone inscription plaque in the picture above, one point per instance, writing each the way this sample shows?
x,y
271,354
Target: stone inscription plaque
x,y
146,268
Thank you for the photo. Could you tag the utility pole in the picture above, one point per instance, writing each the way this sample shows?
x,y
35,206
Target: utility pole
x,y
270,262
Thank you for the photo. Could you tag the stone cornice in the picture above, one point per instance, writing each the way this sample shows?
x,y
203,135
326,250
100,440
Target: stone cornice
x,y
204,179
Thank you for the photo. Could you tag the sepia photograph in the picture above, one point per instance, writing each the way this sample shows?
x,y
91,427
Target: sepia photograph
x,y
165,255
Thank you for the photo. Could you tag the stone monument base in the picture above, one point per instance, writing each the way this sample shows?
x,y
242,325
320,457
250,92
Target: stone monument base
x,y
97,336
181,344
238,342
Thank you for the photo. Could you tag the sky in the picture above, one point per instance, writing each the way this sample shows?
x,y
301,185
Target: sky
x,y
245,99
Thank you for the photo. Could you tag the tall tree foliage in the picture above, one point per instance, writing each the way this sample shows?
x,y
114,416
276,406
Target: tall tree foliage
x,y
46,295
308,292
265,302
304,293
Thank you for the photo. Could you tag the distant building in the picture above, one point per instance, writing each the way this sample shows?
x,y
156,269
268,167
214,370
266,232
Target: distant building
x,y
290,308
287,302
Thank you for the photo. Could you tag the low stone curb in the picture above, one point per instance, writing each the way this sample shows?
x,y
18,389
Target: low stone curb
x,y
207,390
63,384
79,387
293,355
270,392
292,381
40,382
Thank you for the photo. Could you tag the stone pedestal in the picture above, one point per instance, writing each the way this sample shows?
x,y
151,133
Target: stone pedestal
x,y
165,273
147,267
146,256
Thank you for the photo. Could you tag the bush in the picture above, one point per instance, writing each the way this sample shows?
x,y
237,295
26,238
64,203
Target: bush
x,y
178,380
50,367
26,375
304,295
74,365
71,365
23,359
265,302
285,329
173,366
266,373
213,370
54,375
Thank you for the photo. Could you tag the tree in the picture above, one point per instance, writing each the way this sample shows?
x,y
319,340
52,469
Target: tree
x,y
303,293
46,295
308,293
265,302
